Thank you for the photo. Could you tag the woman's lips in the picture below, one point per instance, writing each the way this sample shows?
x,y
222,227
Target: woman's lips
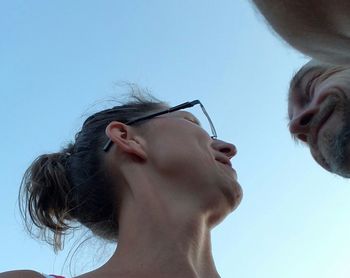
x,y
224,161
228,165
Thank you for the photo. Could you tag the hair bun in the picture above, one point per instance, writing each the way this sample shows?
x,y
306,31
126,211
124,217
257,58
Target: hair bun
x,y
45,192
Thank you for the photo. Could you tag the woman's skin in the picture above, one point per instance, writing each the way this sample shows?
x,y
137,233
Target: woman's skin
x,y
176,184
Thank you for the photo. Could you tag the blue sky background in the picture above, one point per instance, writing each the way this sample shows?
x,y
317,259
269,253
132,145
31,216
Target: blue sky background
x,y
59,60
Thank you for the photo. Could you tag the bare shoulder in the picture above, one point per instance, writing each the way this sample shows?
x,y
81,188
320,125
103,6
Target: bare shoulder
x,y
21,274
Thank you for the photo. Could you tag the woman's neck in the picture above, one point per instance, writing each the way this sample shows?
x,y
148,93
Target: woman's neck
x,y
156,240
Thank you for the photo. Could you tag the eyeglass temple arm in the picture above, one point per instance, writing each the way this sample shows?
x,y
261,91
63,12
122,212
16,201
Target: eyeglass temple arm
x,y
172,109
184,105
175,108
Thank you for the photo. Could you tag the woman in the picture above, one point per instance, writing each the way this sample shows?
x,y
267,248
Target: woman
x,y
144,175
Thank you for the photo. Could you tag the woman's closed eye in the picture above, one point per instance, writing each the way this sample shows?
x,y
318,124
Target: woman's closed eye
x,y
193,120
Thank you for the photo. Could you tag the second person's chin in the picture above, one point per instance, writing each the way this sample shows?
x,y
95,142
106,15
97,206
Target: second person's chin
x,y
342,168
339,155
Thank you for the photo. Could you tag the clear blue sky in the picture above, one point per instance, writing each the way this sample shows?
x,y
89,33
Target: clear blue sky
x,y
58,58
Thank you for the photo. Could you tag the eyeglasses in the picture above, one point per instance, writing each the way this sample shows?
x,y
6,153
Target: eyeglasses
x,y
169,110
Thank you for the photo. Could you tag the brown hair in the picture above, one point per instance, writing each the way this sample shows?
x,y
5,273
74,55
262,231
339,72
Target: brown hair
x,y
72,185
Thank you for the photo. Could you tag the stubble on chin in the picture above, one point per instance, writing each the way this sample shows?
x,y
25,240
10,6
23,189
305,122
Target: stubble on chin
x,y
338,145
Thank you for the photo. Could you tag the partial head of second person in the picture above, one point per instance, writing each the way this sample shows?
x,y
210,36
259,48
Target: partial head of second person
x,y
319,114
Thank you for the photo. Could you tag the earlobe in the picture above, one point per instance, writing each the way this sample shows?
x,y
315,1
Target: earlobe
x,y
126,140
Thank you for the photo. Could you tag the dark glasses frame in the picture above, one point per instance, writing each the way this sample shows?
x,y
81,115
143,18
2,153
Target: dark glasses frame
x,y
184,105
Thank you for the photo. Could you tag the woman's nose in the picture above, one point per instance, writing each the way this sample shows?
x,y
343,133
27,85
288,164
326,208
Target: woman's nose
x,y
299,126
228,149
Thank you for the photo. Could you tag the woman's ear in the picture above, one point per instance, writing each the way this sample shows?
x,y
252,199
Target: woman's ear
x,y
125,139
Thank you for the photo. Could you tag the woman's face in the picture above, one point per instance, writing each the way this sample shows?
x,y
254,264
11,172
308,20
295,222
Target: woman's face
x,y
198,166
